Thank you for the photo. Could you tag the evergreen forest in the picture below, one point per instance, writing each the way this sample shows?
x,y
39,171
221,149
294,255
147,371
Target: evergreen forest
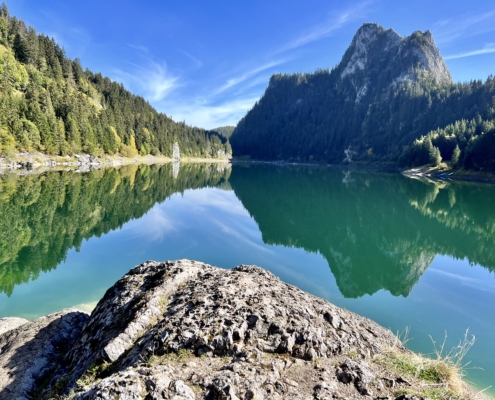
x,y
50,104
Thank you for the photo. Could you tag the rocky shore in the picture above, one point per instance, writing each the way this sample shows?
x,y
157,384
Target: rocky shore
x,y
187,330
31,163
83,162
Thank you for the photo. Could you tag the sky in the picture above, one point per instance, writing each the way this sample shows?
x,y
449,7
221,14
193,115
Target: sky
x,y
208,62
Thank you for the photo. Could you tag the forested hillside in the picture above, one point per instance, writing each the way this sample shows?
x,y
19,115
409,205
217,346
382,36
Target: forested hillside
x,y
379,104
225,131
48,103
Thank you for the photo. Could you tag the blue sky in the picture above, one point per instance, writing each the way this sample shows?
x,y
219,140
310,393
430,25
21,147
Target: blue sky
x,y
207,62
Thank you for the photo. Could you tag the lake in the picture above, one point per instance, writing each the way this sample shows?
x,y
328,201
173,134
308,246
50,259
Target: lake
x,y
403,252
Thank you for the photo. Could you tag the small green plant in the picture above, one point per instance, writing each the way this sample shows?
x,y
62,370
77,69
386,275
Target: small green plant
x,y
183,355
457,354
353,354
153,360
441,377
95,373
163,303
429,374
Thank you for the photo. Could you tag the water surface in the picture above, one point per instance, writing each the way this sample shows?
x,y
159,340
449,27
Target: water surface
x,y
400,251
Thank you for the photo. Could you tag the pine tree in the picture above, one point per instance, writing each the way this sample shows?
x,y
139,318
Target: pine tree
x,y
21,50
4,11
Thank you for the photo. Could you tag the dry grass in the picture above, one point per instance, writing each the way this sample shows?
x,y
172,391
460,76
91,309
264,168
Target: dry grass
x,y
181,356
441,378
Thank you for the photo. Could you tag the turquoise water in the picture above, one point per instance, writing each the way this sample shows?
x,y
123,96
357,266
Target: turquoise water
x,y
402,252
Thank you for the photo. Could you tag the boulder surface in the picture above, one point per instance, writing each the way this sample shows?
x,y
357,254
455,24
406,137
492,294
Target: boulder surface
x,y
187,330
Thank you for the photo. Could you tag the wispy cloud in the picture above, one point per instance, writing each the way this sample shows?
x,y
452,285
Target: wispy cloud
x,y
335,22
220,106
475,283
154,226
450,30
228,97
258,81
489,48
208,114
144,49
152,79
197,62
247,75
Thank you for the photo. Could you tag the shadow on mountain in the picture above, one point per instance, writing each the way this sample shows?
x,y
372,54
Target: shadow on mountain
x,y
44,216
377,231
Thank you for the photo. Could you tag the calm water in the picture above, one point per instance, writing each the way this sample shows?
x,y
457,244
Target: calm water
x,y
402,252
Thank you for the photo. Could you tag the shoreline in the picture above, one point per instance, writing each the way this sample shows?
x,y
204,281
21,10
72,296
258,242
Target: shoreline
x,y
426,172
445,174
34,163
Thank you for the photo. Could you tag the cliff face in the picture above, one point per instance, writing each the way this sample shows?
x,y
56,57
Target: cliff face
x,y
187,330
376,55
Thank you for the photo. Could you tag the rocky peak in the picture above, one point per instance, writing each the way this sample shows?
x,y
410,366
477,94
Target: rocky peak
x,y
362,46
375,51
421,48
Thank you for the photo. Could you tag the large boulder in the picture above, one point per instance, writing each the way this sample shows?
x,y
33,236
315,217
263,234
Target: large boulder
x,y
188,330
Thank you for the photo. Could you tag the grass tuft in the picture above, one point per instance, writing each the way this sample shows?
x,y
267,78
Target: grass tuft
x,y
441,378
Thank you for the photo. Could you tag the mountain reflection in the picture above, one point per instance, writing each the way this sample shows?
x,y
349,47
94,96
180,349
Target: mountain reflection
x,y
377,231
43,216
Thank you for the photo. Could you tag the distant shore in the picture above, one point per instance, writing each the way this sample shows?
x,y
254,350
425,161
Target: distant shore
x,y
427,172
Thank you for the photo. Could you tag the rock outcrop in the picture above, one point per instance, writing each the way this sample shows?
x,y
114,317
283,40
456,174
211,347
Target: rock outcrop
x,y
176,152
31,351
374,50
9,323
187,330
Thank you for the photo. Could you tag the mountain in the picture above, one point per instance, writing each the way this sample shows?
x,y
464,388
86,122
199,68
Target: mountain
x,y
381,56
48,103
378,104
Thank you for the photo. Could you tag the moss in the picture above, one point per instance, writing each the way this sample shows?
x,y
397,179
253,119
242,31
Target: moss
x,y
179,357
353,354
